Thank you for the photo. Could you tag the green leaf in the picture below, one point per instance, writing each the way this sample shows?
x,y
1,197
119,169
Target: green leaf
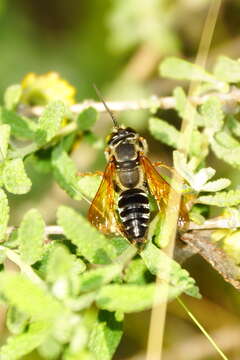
x,y
212,114
231,244
95,141
227,69
29,297
50,122
226,140
233,125
134,298
80,355
31,236
169,270
88,185
201,177
87,118
221,199
93,279
216,185
137,273
81,302
91,244
21,127
4,213
79,339
50,348
176,68
16,320
180,164
198,181
4,140
60,263
185,108
15,178
20,345
105,336
12,96
64,171
164,132
228,154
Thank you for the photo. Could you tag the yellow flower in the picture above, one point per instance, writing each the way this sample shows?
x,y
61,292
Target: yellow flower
x,y
41,89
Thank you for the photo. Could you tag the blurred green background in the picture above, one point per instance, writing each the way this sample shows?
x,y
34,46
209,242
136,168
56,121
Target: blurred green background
x,y
118,45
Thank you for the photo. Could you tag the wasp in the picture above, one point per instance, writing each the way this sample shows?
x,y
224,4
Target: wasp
x,y
121,204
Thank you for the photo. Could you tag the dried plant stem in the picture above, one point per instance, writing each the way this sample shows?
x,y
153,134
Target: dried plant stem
x,y
158,316
166,102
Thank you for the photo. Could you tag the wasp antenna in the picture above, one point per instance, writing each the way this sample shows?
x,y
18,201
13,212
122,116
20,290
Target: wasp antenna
x,y
106,107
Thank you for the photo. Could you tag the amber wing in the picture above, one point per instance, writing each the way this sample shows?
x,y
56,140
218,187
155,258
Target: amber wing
x,y
160,189
102,210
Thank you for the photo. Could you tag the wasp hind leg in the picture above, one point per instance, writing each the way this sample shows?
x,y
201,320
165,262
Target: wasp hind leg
x,y
95,173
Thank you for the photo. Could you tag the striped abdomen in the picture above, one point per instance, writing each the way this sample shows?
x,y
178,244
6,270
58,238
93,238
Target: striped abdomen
x,y
133,207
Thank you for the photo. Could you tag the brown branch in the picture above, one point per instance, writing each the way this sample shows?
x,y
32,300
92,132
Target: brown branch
x,y
200,242
167,102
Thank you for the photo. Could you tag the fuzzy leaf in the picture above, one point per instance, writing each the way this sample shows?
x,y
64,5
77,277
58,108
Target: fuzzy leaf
x,y
16,320
81,302
15,178
91,244
164,132
198,181
31,236
50,122
185,108
180,164
87,118
227,69
221,199
19,345
50,348
4,213
137,273
93,279
217,185
228,154
64,170
176,68
231,244
60,263
88,185
134,298
201,177
94,140
212,114
12,96
226,140
126,298
29,298
21,127
234,125
105,336
167,269
4,139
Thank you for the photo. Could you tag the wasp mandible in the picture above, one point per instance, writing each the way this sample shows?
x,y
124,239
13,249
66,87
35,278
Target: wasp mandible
x,y
121,204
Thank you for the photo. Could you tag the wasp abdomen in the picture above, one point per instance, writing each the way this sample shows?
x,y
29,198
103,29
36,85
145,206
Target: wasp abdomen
x,y
134,213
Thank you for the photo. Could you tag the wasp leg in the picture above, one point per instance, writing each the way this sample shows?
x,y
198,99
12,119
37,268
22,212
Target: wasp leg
x,y
95,173
162,164
170,168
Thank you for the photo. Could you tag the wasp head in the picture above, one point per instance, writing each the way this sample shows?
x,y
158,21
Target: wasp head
x,y
123,140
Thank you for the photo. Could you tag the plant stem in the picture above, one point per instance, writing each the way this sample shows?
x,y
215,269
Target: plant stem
x,y
166,102
210,339
25,268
